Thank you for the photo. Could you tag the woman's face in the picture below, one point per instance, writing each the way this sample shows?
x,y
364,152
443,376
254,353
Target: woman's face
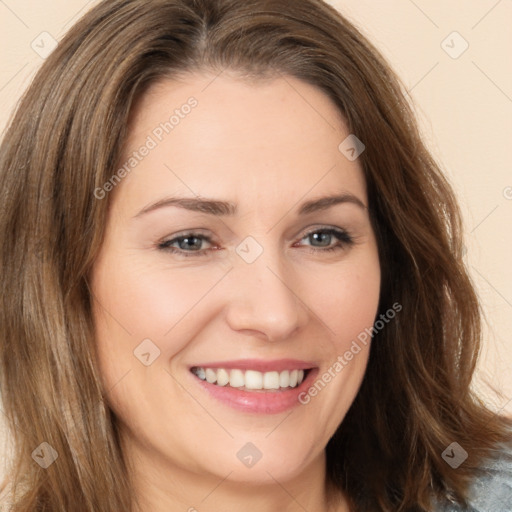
x,y
224,259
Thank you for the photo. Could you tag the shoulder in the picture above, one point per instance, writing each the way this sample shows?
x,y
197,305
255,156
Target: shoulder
x,y
491,490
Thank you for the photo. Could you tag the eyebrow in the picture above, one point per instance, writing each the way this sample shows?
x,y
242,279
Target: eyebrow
x,y
225,208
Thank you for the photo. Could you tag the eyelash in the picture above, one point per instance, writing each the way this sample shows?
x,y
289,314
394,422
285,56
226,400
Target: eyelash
x,y
344,240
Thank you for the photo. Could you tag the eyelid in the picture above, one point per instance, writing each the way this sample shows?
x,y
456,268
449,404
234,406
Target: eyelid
x,y
197,233
319,227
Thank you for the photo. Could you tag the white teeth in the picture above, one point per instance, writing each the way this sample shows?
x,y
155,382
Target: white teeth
x,y
236,378
271,380
222,377
250,379
211,375
253,379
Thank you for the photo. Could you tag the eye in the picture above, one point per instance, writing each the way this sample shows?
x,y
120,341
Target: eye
x,y
189,244
322,239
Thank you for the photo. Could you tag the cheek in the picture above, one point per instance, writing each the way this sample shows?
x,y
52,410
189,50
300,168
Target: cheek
x,y
347,307
135,302
347,304
150,301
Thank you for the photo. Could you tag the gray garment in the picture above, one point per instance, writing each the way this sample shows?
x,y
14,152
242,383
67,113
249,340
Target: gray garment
x,y
492,491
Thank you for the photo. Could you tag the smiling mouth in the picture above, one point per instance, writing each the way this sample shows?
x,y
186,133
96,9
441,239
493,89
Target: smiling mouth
x,y
251,380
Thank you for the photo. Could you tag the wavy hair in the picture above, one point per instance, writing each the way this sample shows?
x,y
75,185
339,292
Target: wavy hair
x,y
65,140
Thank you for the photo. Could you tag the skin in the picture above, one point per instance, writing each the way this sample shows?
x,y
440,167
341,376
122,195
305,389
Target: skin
x,y
268,147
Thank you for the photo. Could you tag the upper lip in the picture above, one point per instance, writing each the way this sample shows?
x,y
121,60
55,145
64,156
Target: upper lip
x,y
262,365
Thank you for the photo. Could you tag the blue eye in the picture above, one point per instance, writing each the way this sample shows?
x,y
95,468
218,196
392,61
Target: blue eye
x,y
188,245
324,237
321,241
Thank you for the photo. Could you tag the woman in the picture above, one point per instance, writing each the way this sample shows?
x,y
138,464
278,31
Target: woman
x,y
234,275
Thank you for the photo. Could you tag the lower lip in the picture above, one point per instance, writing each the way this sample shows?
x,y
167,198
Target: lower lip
x,y
259,401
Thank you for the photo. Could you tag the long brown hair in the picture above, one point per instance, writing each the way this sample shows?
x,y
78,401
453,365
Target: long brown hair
x,y
64,142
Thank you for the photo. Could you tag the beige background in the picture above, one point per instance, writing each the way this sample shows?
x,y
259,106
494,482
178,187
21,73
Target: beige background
x,y
463,100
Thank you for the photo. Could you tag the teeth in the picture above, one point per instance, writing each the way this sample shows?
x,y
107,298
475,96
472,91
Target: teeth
x,y
253,380
236,378
271,380
211,375
222,377
250,379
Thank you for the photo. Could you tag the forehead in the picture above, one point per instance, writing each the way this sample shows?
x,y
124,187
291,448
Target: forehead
x,y
208,132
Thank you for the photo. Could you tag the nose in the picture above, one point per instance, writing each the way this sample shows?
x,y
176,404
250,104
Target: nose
x,y
263,301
